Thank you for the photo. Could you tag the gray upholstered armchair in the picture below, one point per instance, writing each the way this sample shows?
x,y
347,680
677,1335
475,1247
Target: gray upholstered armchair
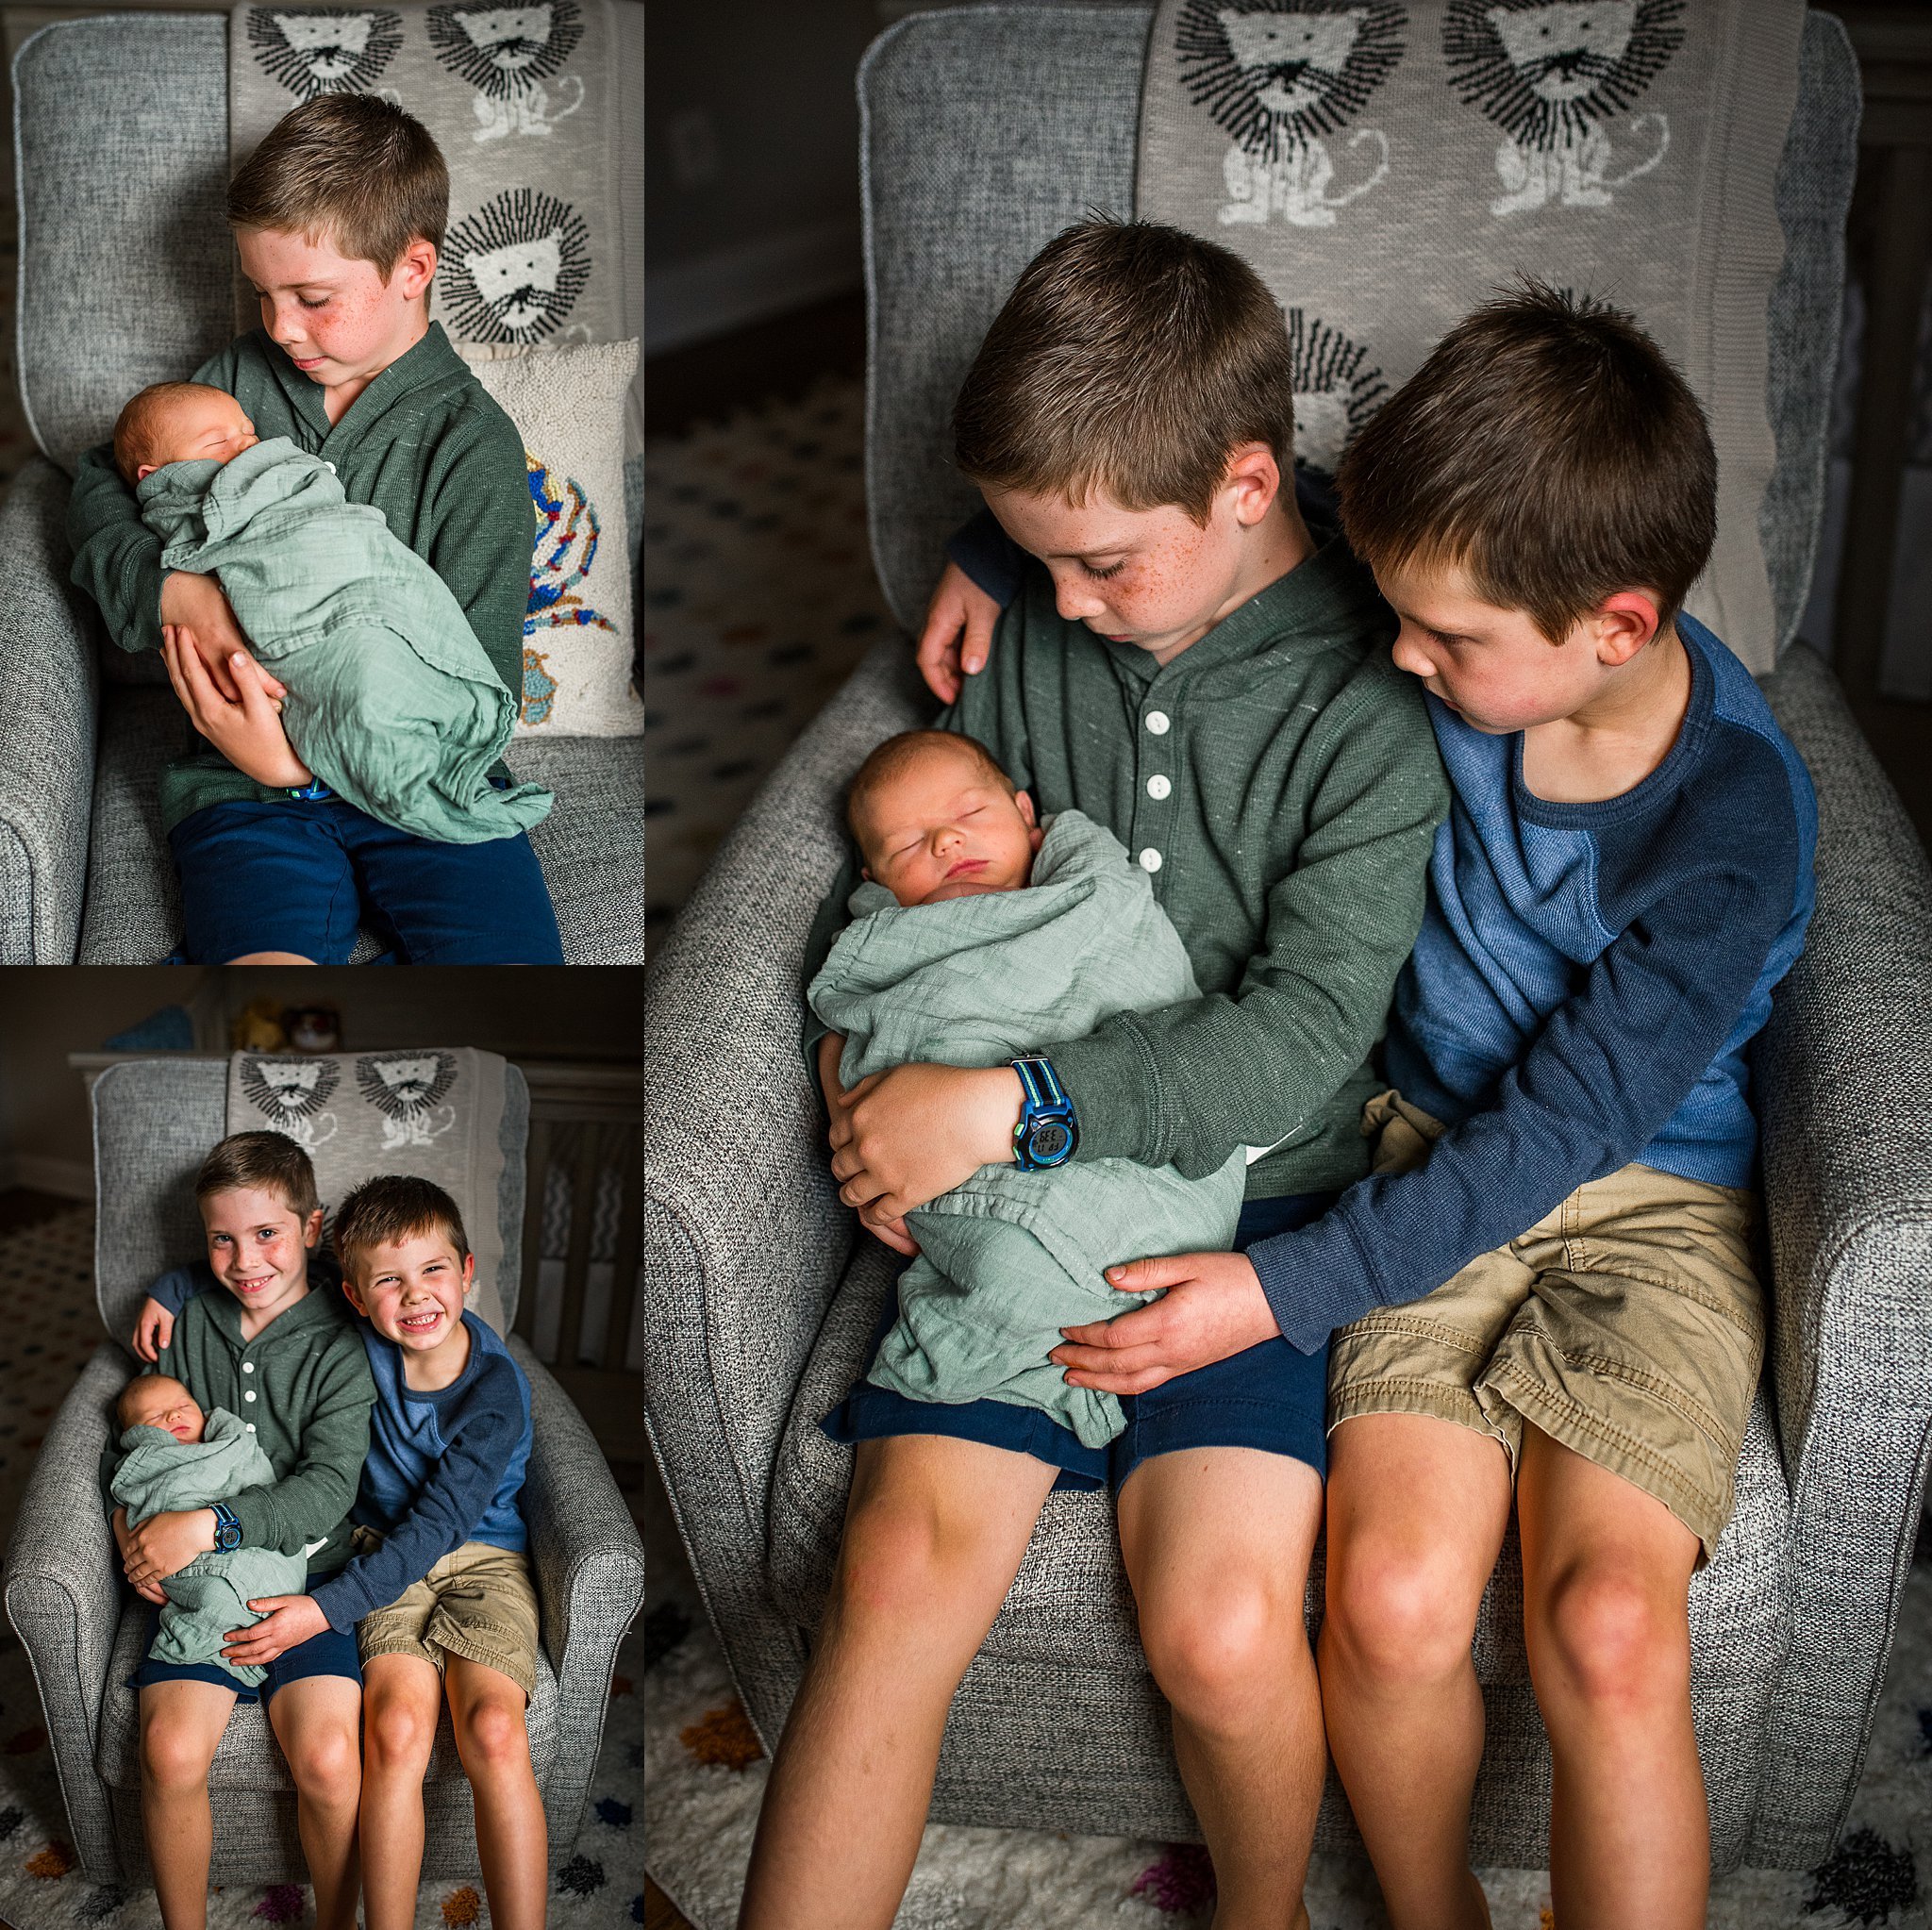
x,y
761,1296
83,1628
121,129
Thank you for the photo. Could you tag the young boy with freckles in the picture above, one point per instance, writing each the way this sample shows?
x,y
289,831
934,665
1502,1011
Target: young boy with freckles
x,y
338,217
257,1341
1547,1293
439,1596
1189,666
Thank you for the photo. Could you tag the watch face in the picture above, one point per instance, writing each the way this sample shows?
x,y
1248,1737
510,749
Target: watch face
x,y
1049,1140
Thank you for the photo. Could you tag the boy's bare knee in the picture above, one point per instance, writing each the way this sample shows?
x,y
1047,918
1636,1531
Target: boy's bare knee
x,y
490,1734
1613,1639
1214,1652
174,1759
1400,1615
397,1732
903,1561
325,1760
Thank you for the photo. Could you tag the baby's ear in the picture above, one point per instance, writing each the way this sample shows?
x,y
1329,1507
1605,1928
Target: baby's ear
x,y
1026,804
146,470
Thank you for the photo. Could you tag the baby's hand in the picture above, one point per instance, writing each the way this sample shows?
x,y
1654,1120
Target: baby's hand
x,y
154,1327
957,634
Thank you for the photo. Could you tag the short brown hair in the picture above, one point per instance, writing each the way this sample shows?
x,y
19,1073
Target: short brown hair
x,y
263,1162
1548,449
1131,359
392,1208
138,428
889,758
350,168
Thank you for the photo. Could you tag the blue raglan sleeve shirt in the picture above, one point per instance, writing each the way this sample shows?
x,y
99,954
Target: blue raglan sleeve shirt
x,y
1702,893
482,1440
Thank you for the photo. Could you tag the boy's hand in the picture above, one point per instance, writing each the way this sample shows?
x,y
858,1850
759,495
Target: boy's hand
x,y
154,1327
150,1591
286,1622
166,1543
199,609
1213,1306
247,731
957,634
831,1049
905,1136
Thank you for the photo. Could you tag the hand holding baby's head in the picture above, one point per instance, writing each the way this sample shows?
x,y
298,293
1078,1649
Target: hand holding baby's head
x,y
179,422
158,1400
937,818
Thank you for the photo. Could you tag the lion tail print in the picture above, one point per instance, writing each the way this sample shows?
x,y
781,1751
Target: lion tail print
x,y
1663,139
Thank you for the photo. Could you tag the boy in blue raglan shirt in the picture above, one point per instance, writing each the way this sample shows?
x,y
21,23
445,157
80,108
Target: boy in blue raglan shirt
x,y
439,1592
1546,1289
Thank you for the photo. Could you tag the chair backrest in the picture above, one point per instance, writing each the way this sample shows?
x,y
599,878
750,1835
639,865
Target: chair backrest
x,y
154,1121
967,176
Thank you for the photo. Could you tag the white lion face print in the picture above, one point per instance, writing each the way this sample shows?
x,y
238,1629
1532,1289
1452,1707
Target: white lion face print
x,y
508,54
314,50
291,1094
1554,76
1278,76
515,268
408,1092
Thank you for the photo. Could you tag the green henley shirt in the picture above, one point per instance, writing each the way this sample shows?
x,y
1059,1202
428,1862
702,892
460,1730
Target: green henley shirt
x,y
303,1384
424,443
1279,782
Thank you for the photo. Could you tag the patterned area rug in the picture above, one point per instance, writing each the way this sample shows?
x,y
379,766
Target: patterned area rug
x,y
705,1772
46,1274
758,600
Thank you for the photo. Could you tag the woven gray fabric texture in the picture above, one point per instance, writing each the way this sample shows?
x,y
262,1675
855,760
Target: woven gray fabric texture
x,y
153,1121
966,179
1423,155
591,847
46,744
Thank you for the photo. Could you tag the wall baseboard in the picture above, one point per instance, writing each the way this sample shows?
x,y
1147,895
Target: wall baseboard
x,y
71,1179
690,301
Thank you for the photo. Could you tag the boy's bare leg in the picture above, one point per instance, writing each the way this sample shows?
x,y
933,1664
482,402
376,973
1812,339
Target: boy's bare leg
x,y
487,1709
402,1697
181,1725
318,1723
1217,1543
1417,1507
1605,1574
935,1532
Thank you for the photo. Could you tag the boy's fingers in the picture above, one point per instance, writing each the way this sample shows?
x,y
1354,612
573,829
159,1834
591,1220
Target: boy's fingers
x,y
978,645
1143,1277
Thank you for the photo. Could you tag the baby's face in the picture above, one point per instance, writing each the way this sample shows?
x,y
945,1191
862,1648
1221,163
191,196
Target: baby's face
x,y
943,826
205,425
155,1401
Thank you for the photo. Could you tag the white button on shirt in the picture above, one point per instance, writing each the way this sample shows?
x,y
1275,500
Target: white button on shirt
x,y
1158,787
248,1367
250,1394
1159,723
250,1425
1150,862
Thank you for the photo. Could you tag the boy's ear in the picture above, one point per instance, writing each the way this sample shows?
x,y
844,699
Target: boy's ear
x,y
1254,478
1625,623
469,1274
311,1232
415,267
353,1298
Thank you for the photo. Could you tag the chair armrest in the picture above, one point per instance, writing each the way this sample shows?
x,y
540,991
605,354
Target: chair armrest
x,y
63,1595
744,1237
46,746
1848,1187
589,1567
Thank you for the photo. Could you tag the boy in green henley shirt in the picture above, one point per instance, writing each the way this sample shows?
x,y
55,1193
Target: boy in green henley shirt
x,y
291,1364
1189,668
338,216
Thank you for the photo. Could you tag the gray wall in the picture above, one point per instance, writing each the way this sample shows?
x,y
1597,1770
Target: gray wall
x,y
752,168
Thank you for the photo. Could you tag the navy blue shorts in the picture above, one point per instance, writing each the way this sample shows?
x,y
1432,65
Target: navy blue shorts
x,y
296,876
1271,1396
331,1652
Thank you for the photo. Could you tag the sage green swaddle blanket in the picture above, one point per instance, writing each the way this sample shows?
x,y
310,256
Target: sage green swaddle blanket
x,y
392,702
1009,1259
211,1594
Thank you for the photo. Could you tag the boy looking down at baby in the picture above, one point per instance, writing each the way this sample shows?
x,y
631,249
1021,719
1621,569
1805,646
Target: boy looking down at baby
x,y
1193,670
338,217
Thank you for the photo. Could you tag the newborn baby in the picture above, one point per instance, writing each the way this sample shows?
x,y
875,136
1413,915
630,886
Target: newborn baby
x,y
390,701
981,937
174,1457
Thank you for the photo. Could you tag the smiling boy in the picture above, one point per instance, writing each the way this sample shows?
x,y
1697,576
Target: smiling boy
x,y
257,1341
439,1586
1190,667
338,217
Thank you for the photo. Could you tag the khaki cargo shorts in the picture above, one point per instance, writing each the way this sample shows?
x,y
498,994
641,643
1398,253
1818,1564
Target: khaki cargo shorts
x,y
1628,1325
477,1602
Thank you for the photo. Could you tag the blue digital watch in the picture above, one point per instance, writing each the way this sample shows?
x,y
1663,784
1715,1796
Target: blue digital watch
x,y
227,1529
1048,1132
313,792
